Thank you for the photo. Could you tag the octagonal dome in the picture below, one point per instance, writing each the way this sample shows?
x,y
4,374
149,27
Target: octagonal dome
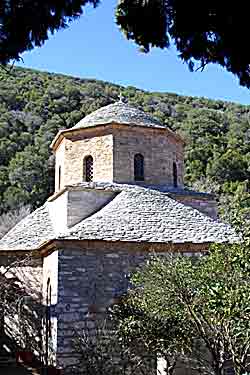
x,y
118,143
119,113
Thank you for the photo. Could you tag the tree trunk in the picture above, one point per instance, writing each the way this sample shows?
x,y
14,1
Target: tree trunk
x,y
170,366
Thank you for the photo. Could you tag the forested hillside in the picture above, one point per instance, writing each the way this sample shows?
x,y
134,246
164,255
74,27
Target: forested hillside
x,y
35,105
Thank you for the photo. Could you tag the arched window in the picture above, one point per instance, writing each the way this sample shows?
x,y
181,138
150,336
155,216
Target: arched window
x,y
139,167
48,325
88,168
175,175
48,308
59,178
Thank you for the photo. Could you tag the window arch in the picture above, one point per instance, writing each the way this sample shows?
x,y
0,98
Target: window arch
x,y
139,167
175,175
88,168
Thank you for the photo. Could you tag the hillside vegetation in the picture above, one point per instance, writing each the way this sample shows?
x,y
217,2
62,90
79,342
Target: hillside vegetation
x,y
35,105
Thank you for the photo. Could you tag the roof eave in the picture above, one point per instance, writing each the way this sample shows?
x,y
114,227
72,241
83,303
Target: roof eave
x,y
57,140
51,245
60,135
20,252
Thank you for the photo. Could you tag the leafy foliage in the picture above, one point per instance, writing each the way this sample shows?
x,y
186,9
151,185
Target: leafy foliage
x,y
26,24
35,105
20,301
218,33
220,36
102,351
169,338
207,298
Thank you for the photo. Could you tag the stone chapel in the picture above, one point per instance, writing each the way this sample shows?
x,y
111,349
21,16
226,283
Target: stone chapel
x,y
119,196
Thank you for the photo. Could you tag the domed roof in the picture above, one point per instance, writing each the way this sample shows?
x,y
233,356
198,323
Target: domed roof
x,y
119,113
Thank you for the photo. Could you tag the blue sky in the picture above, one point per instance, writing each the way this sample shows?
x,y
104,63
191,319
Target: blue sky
x,y
93,47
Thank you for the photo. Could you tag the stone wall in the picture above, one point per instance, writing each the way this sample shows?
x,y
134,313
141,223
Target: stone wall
x,y
159,148
50,280
91,278
72,206
22,319
113,149
95,142
59,163
206,205
89,281
58,211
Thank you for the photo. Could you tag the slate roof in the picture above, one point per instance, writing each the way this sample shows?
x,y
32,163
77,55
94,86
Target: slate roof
x,y
119,113
30,232
147,215
135,214
118,187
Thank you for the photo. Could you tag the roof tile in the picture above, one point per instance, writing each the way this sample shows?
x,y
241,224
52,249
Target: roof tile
x,y
140,214
30,232
120,113
136,214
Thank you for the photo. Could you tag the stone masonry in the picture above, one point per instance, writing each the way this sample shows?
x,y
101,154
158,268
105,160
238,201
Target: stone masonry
x,y
90,280
204,203
72,151
113,135
113,149
159,148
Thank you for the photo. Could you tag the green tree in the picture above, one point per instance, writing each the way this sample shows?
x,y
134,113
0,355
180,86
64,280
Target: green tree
x,y
225,297
220,35
146,333
34,106
234,203
230,166
29,174
102,352
159,23
210,293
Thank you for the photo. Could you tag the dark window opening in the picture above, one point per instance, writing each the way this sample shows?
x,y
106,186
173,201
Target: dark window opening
x,y
139,167
59,178
229,371
175,175
48,325
48,309
89,170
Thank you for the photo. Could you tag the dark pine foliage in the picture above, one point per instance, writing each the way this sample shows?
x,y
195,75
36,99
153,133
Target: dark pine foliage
x,y
27,23
203,31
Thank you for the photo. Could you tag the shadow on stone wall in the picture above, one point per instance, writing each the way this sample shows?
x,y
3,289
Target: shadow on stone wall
x,y
23,317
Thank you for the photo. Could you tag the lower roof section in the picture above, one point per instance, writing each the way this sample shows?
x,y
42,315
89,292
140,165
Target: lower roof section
x,y
135,214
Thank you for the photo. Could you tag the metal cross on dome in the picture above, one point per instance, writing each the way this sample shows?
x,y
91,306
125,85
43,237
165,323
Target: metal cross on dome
x,y
121,97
